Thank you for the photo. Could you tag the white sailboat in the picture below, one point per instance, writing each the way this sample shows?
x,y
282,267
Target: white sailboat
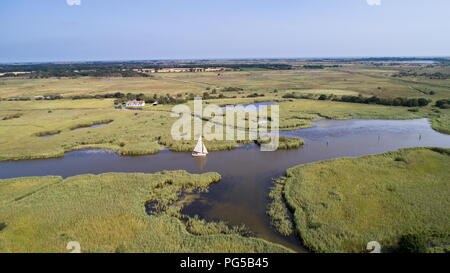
x,y
200,148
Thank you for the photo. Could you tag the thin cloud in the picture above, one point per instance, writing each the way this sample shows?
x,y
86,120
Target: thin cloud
x,y
73,2
373,2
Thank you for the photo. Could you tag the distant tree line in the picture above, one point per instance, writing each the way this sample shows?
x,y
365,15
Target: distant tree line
x,y
122,98
161,99
44,97
320,66
119,69
435,75
208,96
48,97
89,73
232,89
313,66
255,95
442,60
399,101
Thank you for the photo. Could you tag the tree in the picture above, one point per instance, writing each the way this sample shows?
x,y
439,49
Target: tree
x,y
130,96
140,96
422,102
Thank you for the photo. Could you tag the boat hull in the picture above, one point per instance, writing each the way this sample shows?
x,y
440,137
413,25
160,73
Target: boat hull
x,y
198,154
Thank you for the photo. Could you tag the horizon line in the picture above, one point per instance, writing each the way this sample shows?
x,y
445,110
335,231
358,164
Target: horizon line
x,y
222,59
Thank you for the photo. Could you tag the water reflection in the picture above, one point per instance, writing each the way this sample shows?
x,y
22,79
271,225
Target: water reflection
x,y
201,162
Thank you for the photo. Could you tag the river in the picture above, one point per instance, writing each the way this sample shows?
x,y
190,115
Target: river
x,y
242,194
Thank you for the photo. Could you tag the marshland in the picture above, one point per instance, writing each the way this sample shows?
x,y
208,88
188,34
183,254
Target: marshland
x,y
76,168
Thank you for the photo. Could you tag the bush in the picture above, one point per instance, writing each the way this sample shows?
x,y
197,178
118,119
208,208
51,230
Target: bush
x,y
12,116
289,96
412,243
254,95
232,89
443,104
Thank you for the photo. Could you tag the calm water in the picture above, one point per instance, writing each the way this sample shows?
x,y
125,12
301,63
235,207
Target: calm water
x,y
409,62
256,104
92,126
241,195
49,136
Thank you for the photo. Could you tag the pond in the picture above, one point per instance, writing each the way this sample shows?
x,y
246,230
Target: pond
x,y
90,126
256,104
242,194
49,136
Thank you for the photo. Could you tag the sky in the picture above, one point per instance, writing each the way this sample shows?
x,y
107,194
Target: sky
x,y
95,30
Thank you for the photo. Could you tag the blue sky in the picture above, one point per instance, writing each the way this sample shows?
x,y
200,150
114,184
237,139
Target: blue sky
x,y
53,30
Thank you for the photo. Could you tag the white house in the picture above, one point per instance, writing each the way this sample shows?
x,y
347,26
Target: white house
x,y
135,103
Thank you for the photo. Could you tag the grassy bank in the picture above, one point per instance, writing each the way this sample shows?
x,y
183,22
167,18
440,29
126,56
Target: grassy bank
x,y
106,213
300,113
340,205
285,143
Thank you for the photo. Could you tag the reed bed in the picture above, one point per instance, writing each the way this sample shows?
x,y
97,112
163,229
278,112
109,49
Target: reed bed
x,y
340,205
106,213
143,132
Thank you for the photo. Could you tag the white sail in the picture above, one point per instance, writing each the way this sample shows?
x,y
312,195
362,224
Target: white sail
x,y
198,147
204,149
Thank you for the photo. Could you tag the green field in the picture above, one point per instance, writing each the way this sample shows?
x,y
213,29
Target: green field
x,y
340,205
106,213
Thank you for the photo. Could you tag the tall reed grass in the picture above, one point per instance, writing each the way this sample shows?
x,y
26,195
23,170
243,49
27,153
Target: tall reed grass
x,y
106,213
340,205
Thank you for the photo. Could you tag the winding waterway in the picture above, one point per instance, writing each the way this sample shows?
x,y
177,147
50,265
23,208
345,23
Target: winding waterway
x,y
242,194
